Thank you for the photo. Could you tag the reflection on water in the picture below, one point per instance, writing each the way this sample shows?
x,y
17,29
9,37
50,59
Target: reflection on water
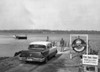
x,y
9,45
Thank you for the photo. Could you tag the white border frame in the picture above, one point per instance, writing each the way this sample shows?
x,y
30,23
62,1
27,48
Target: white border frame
x,y
84,35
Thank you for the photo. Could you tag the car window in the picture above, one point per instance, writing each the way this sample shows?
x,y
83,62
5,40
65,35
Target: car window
x,y
49,45
36,46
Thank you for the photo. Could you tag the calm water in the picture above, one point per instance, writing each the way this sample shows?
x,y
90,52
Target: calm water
x,y
9,45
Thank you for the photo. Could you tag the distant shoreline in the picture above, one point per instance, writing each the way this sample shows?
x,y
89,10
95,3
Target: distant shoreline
x,y
49,31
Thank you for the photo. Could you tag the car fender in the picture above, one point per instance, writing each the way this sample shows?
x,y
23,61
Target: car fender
x,y
52,50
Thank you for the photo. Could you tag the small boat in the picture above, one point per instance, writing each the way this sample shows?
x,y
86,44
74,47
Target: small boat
x,y
20,36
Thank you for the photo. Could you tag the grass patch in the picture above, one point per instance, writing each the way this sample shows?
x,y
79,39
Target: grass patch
x,y
3,58
8,63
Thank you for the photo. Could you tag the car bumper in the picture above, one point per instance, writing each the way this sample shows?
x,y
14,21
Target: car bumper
x,y
32,59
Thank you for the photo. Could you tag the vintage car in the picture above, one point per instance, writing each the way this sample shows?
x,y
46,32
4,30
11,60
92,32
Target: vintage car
x,y
40,51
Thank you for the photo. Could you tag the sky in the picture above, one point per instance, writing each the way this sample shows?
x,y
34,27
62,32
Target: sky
x,y
50,14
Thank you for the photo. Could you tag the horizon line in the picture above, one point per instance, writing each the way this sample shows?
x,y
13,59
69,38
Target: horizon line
x,y
46,29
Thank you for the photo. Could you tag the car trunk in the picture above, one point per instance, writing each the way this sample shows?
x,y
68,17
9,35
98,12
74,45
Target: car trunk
x,y
31,53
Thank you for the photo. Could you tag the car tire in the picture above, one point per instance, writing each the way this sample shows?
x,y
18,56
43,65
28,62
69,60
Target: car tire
x,y
55,53
46,60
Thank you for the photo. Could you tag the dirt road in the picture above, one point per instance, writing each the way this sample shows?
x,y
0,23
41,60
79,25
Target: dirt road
x,y
60,63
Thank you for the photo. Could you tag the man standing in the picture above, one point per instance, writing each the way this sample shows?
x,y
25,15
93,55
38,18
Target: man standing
x,y
62,44
47,38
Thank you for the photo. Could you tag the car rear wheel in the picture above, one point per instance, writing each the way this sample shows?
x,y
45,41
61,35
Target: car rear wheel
x,y
46,60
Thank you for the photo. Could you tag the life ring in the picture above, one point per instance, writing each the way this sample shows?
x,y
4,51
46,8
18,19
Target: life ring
x,y
79,45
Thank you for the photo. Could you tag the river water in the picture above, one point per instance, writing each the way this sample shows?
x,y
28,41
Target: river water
x,y
9,45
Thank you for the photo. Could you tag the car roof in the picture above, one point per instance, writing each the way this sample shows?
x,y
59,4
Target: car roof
x,y
40,42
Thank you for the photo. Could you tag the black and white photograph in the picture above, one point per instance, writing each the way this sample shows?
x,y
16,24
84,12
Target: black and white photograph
x,y
49,35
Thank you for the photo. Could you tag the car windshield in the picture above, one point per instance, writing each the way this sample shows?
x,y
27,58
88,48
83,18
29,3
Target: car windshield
x,y
36,46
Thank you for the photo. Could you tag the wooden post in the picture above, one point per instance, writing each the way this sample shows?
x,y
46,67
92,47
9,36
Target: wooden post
x,y
96,69
87,44
70,55
70,48
84,68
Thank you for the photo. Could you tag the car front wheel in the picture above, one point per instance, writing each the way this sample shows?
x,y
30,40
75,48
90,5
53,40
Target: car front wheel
x,y
55,53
